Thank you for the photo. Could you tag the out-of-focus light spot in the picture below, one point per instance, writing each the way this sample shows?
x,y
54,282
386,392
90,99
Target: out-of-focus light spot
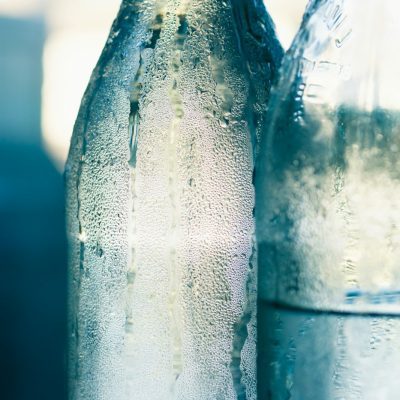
x,y
287,15
21,8
77,33
82,14
69,59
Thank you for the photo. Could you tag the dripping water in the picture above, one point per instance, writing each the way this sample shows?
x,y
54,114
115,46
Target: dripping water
x,y
134,124
177,107
137,86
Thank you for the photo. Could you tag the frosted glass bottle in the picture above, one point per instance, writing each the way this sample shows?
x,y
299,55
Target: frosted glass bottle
x,y
160,203
328,209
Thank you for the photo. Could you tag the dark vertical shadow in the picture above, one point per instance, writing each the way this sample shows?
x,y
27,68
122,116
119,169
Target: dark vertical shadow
x,y
32,230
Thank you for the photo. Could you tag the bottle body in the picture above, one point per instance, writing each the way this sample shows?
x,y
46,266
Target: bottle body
x,y
160,208
327,214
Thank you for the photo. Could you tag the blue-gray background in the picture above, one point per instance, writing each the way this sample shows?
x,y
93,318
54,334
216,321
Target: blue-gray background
x,y
32,238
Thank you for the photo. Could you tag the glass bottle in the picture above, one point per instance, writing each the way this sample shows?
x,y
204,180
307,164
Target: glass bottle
x,y
160,203
328,209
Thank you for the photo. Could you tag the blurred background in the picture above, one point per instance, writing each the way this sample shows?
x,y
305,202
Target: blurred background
x,y
48,49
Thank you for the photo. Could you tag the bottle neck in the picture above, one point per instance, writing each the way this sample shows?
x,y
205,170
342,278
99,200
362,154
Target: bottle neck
x,y
358,40
255,29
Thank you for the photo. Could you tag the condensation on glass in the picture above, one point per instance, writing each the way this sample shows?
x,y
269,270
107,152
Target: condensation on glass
x,y
328,209
160,203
